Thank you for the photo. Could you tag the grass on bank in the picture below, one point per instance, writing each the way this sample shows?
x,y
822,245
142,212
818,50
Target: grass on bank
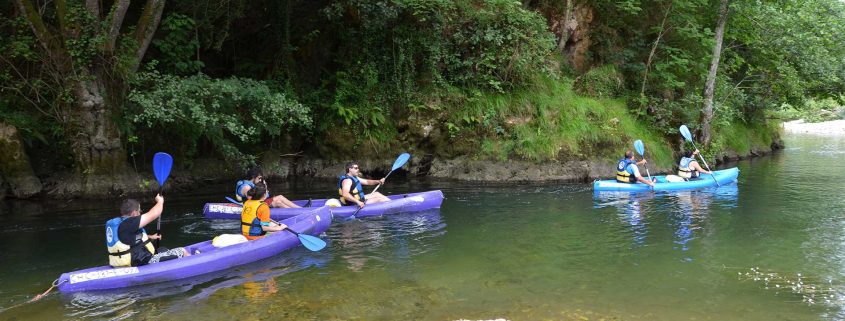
x,y
548,121
740,137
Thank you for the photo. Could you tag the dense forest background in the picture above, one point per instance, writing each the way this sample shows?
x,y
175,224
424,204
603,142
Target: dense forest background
x,y
94,88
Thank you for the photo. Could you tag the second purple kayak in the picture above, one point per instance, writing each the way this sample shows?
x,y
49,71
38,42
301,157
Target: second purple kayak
x,y
399,203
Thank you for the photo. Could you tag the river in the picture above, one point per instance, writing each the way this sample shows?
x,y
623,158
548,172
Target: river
x,y
771,247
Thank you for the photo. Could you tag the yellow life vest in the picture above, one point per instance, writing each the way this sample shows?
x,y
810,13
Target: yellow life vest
x,y
120,254
622,173
684,170
356,190
250,223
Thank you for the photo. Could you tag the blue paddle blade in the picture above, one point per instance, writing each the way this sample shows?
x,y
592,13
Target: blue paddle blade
x,y
638,145
312,243
685,132
400,161
162,163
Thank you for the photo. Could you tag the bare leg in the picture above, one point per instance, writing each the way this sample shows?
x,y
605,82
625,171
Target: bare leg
x,y
377,197
281,201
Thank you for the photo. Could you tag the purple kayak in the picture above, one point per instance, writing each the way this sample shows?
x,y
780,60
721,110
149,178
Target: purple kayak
x,y
210,259
399,203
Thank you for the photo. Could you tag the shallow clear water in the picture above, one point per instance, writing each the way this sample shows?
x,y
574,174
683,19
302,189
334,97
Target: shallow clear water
x,y
771,247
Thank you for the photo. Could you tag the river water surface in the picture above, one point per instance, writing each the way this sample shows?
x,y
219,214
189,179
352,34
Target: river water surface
x,y
771,247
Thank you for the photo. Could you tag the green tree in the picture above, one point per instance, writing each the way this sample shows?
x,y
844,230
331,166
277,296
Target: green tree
x,y
88,54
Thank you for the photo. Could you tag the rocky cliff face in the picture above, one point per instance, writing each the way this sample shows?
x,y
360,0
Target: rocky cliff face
x,y
15,169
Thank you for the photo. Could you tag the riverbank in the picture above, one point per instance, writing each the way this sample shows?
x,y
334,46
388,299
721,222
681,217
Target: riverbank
x,y
546,133
278,166
828,128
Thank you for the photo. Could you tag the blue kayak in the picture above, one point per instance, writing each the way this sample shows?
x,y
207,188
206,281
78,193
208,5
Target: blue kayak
x,y
724,177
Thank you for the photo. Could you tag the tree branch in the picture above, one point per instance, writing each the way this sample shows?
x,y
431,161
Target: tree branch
x,y
115,21
61,15
654,48
93,7
43,35
147,25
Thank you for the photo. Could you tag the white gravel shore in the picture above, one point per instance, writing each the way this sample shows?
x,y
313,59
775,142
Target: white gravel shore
x,y
832,128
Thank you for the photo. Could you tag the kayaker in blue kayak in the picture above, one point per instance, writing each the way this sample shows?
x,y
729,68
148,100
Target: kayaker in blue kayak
x,y
255,216
255,176
127,241
688,167
350,189
627,171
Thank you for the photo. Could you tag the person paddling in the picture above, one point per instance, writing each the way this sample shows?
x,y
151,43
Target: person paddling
x,y
688,167
129,244
350,189
627,171
255,216
255,176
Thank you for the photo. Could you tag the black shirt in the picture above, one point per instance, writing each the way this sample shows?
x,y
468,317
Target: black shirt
x,y
129,233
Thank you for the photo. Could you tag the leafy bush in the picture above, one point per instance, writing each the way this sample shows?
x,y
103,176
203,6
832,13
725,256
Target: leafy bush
x,y
229,113
812,111
602,82
179,45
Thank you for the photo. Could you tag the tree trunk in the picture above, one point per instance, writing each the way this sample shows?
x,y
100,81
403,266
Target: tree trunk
x,y
710,85
564,33
98,84
92,128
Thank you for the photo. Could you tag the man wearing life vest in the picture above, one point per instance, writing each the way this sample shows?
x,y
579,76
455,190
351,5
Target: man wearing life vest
x,y
688,168
627,171
349,186
254,176
127,241
255,216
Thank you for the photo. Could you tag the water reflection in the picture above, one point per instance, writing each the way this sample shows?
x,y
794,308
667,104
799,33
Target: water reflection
x,y
630,211
688,211
364,240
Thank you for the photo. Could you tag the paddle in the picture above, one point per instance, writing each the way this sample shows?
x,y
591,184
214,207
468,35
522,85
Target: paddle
x,y
312,243
688,136
162,163
638,145
399,162
234,201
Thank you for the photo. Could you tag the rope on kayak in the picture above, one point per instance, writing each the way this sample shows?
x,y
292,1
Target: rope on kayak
x,y
38,297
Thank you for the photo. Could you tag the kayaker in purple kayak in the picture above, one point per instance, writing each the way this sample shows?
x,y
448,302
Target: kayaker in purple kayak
x,y
627,171
350,189
255,176
688,167
127,241
255,216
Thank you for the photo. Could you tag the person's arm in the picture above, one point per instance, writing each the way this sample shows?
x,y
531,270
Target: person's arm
x,y
644,181
371,181
640,177
267,224
245,188
698,168
345,186
275,227
154,212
